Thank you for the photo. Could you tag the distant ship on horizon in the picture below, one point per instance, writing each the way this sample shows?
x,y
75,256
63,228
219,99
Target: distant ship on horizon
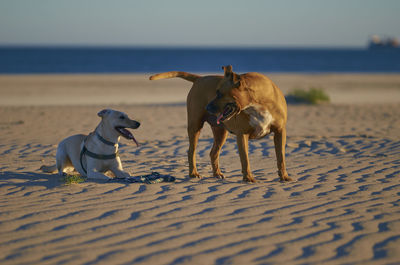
x,y
377,42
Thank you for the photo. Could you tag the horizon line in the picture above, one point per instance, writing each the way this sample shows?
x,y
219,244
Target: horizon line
x,y
135,46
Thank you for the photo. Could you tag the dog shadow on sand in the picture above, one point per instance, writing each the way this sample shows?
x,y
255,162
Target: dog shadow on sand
x,y
18,181
22,180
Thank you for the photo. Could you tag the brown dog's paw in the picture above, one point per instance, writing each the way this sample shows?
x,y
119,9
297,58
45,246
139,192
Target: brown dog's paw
x,y
249,179
219,175
285,178
195,176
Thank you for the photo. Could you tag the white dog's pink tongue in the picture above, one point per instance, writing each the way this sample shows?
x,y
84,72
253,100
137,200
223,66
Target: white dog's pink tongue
x,y
219,118
133,138
127,134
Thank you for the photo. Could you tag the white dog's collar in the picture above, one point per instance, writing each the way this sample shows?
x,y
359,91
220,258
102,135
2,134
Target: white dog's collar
x,y
104,141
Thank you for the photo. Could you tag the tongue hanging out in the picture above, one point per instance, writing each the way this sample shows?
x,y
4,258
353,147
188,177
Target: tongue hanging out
x,y
126,134
133,138
228,112
220,116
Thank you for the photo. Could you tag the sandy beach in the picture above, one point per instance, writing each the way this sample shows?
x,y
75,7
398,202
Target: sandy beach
x,y
342,208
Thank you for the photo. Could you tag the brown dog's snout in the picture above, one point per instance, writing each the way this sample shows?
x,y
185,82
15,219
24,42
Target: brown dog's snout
x,y
211,108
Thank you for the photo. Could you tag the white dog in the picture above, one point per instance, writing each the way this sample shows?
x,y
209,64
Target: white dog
x,y
94,154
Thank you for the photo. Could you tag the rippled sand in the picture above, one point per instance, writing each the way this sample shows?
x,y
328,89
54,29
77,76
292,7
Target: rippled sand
x,y
342,208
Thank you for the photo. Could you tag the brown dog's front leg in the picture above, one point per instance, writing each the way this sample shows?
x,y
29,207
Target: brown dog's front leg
x,y
280,143
243,146
220,135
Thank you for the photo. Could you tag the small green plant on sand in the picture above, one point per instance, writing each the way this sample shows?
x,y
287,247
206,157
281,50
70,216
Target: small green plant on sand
x,y
73,179
311,96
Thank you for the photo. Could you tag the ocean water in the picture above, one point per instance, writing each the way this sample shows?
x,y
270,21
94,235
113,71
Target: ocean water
x,y
53,60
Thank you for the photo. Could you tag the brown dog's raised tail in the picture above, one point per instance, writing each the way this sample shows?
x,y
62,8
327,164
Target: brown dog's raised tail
x,y
187,76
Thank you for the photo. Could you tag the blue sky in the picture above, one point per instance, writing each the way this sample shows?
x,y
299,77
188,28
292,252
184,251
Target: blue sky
x,y
286,23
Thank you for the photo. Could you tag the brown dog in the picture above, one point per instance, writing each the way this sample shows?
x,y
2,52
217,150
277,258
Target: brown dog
x,y
248,105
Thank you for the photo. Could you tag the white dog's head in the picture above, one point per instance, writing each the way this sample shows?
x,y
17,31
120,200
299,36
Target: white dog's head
x,y
119,121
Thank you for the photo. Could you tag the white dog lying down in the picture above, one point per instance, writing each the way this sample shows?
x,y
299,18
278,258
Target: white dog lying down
x,y
94,154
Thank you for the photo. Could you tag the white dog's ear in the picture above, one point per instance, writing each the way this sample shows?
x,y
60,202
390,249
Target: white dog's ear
x,y
103,112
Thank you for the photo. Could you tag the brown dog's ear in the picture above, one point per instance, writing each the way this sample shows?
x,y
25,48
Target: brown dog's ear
x,y
102,112
236,80
227,71
229,74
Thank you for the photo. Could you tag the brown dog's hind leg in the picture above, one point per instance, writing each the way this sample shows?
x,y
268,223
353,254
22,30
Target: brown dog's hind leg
x,y
194,133
220,135
280,143
243,146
